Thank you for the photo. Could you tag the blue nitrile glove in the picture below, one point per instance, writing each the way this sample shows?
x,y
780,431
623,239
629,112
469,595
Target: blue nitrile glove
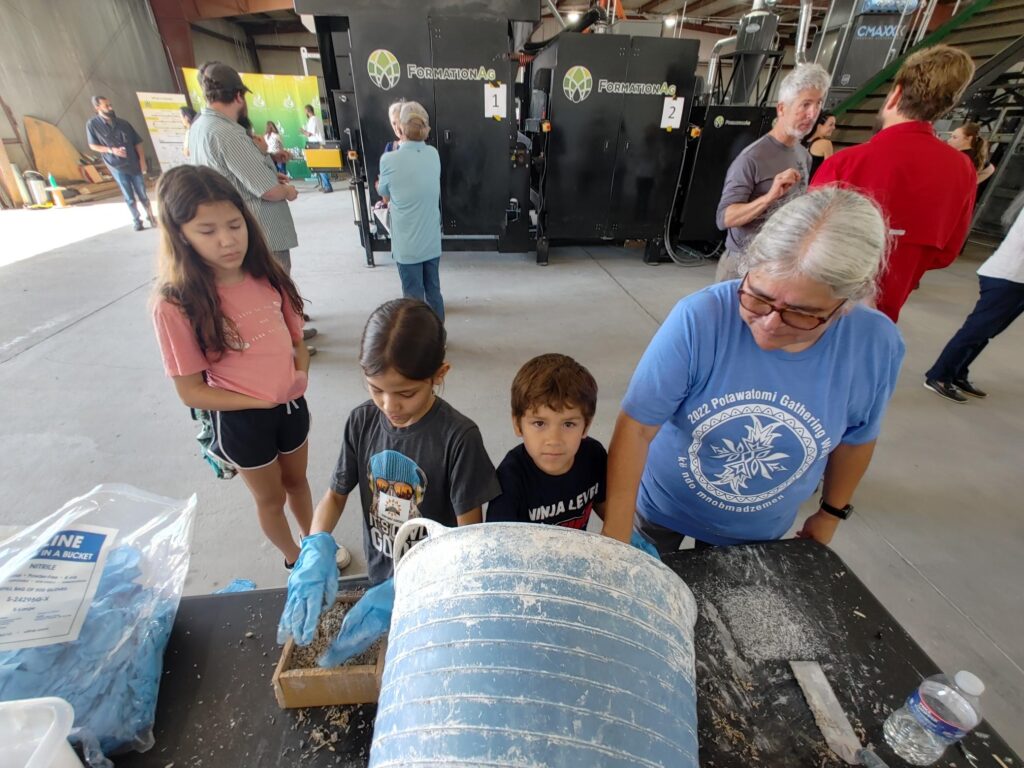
x,y
643,545
313,583
365,621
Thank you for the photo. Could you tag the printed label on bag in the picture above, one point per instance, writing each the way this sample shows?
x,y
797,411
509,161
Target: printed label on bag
x,y
47,599
929,720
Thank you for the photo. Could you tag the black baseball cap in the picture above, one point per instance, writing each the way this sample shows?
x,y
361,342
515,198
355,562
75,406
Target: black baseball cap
x,y
215,75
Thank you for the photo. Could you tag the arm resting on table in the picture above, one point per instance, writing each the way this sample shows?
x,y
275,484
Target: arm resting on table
x,y
627,455
846,466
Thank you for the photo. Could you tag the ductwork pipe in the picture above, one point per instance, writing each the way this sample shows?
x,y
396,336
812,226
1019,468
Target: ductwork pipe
x,y
554,10
803,29
716,51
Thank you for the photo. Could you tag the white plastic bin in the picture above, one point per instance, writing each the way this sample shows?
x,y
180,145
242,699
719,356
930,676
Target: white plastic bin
x,y
34,733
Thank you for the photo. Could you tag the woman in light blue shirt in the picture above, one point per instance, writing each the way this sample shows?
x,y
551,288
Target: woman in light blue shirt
x,y
754,390
410,181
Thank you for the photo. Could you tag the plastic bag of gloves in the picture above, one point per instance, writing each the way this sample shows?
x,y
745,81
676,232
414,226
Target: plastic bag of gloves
x,y
88,597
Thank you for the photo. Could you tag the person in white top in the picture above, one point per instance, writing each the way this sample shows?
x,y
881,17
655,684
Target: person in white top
x,y
314,133
275,147
1000,303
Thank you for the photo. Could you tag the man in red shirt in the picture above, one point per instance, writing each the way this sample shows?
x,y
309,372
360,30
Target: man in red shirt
x,y
924,186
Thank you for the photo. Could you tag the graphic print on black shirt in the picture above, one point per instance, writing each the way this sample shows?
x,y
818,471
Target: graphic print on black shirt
x,y
529,495
398,486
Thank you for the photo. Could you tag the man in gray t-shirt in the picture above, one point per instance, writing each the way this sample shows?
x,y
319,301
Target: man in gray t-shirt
x,y
774,168
437,468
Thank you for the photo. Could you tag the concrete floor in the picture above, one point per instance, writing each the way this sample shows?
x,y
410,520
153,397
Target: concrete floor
x,y
938,533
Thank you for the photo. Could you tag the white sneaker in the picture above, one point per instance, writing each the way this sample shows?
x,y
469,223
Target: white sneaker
x,y
344,558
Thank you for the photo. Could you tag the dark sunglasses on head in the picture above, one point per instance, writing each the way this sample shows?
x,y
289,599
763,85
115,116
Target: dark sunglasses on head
x,y
794,318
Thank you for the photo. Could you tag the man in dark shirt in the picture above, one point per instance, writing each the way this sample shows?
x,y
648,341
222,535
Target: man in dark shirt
x,y
121,149
557,475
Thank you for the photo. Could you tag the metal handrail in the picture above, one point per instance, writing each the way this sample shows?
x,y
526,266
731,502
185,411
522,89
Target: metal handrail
x,y
892,67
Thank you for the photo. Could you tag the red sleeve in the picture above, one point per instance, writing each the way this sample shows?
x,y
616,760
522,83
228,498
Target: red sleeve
x,y
178,344
947,255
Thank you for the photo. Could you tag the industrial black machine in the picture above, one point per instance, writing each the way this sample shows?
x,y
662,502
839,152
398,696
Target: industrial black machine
x,y
454,57
605,119
860,37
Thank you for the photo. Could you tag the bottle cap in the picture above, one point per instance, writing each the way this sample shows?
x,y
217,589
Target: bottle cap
x,y
969,683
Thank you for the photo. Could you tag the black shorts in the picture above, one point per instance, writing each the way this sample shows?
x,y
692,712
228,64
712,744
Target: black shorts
x,y
253,439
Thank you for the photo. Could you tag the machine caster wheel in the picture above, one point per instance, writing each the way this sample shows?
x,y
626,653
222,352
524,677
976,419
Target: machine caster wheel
x,y
542,252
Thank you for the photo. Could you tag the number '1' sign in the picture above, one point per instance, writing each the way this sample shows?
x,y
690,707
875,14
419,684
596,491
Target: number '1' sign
x,y
495,101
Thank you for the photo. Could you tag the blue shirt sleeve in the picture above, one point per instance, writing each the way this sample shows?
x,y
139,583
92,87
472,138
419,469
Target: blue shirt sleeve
x,y
90,134
383,188
663,376
866,428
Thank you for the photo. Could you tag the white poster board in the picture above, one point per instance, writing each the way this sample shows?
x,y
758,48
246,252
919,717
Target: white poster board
x,y
162,112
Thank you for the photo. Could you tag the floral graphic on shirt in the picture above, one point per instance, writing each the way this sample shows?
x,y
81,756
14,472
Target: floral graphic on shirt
x,y
753,456
748,454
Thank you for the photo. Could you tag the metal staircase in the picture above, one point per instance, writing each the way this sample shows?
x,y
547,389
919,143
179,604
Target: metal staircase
x,y
985,29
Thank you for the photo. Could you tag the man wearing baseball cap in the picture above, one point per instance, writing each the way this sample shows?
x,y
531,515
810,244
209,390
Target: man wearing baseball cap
x,y
218,140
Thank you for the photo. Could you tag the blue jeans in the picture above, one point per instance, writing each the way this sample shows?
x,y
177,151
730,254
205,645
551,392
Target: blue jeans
x,y
325,182
133,185
1000,303
422,281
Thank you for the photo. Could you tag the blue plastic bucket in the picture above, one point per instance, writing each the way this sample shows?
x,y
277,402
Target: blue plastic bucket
x,y
532,645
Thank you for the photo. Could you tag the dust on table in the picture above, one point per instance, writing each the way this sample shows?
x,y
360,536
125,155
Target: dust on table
x,y
305,657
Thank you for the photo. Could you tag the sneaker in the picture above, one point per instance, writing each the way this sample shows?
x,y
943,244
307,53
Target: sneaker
x,y
944,389
311,349
344,558
138,227
968,389
308,333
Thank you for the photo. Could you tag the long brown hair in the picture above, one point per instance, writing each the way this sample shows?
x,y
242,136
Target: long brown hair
x,y
978,151
185,279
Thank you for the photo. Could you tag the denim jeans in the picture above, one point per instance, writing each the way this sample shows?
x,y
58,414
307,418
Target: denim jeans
x,y
1000,303
133,185
325,182
422,281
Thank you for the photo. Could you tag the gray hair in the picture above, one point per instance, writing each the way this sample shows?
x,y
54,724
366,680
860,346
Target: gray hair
x,y
831,235
802,77
395,109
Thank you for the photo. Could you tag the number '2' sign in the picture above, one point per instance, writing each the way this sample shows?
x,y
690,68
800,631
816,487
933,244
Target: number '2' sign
x,y
495,101
672,112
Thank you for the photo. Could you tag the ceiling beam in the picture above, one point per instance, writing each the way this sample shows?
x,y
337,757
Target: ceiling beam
x,y
220,9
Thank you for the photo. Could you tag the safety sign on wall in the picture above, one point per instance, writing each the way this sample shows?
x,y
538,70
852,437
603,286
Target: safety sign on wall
x,y
672,112
46,600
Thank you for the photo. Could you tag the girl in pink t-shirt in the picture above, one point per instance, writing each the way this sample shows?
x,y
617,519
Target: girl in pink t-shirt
x,y
229,323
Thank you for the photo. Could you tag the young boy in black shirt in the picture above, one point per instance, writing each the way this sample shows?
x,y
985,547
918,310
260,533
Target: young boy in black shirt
x,y
557,475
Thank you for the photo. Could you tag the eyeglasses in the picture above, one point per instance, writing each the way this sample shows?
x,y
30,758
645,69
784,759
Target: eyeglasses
x,y
794,318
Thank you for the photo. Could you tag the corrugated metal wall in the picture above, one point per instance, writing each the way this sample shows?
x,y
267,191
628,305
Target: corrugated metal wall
x,y
55,54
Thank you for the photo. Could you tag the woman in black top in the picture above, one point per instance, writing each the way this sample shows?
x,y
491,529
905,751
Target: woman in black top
x,y
818,141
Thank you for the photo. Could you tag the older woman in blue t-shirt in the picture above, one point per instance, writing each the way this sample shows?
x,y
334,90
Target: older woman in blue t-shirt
x,y
410,182
754,390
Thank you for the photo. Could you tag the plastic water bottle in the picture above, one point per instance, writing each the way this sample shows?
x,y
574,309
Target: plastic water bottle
x,y
939,713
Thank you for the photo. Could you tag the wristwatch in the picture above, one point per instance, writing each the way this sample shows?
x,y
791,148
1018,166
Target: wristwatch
x,y
842,513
